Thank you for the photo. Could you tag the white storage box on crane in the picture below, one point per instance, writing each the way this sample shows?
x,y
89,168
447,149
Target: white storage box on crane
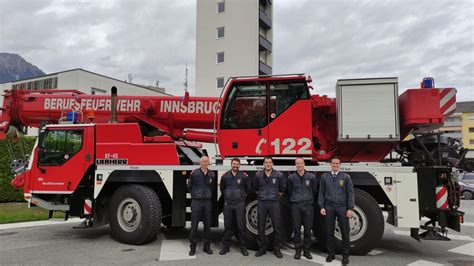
x,y
367,109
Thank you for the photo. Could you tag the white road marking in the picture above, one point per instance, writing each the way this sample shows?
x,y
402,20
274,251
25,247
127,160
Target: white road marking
x,y
39,223
467,249
423,263
375,252
316,258
174,250
467,224
455,237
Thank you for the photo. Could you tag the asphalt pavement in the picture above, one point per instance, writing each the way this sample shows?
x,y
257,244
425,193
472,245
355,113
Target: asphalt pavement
x,y
53,242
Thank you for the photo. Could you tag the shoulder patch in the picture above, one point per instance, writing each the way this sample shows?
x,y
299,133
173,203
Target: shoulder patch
x,y
245,174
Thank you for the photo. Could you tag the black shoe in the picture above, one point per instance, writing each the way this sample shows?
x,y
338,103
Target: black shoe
x,y
244,251
192,252
260,253
307,254
345,260
330,257
298,254
208,251
278,253
223,251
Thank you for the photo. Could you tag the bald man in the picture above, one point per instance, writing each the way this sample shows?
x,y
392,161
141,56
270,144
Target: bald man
x,y
200,184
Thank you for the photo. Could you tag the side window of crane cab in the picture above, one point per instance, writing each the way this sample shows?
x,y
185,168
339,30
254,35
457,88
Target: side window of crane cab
x,y
59,146
246,107
283,94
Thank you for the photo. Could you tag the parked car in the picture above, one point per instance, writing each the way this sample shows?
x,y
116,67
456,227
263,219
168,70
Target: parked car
x,y
466,181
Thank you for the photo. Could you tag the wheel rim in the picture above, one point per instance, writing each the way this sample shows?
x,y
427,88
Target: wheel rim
x,y
467,194
252,221
357,225
129,214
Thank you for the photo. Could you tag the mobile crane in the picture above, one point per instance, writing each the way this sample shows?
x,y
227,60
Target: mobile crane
x,y
124,160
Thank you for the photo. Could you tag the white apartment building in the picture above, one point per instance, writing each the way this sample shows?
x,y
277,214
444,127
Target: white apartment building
x,y
233,38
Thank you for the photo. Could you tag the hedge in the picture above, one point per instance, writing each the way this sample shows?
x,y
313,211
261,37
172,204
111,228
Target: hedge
x,y
7,193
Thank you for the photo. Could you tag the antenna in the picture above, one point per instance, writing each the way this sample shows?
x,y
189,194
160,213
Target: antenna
x,y
186,80
130,78
186,93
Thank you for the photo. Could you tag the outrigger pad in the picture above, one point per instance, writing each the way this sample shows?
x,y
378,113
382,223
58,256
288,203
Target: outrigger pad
x,y
431,234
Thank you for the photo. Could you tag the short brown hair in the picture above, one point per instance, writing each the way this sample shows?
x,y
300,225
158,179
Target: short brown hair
x,y
335,157
268,158
236,160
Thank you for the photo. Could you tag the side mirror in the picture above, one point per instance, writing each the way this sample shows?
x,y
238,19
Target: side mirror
x,y
41,135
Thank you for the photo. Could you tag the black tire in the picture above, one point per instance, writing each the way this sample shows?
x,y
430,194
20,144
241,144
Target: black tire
x,y
467,194
135,214
252,228
365,237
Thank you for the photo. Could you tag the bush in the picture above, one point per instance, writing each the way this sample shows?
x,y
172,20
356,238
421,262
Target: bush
x,y
7,193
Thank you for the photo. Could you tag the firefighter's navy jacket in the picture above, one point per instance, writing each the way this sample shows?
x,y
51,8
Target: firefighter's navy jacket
x,y
336,191
268,187
235,187
200,184
302,189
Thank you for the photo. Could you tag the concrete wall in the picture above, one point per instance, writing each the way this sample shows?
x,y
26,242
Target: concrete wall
x,y
240,44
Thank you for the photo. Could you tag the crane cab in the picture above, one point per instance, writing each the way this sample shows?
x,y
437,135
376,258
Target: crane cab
x,y
266,117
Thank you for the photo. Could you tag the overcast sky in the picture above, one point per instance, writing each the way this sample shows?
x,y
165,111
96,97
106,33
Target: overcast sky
x,y
330,39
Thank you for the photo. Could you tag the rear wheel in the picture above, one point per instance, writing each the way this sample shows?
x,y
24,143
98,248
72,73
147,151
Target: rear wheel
x,y
135,214
366,225
251,223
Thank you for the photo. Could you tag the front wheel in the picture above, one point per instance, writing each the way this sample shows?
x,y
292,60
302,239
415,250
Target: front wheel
x,y
366,225
135,214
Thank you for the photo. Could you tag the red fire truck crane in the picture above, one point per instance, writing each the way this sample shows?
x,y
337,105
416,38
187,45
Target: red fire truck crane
x,y
124,160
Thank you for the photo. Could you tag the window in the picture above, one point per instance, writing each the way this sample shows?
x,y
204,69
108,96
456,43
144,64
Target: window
x,y
220,32
471,130
471,142
246,107
220,7
285,94
220,57
97,91
59,146
220,82
471,117
48,83
247,102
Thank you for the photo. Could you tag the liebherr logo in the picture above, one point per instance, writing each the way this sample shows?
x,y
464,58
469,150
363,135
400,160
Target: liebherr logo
x,y
193,107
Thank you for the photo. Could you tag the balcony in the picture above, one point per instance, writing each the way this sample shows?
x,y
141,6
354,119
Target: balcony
x,y
264,69
264,20
264,44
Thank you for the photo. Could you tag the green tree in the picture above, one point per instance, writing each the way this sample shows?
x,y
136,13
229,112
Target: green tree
x,y
7,192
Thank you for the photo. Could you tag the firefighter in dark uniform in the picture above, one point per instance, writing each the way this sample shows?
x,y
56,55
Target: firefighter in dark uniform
x,y
336,199
234,186
269,185
302,187
200,183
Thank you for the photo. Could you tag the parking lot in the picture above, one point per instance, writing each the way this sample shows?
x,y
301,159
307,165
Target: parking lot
x,y
59,243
